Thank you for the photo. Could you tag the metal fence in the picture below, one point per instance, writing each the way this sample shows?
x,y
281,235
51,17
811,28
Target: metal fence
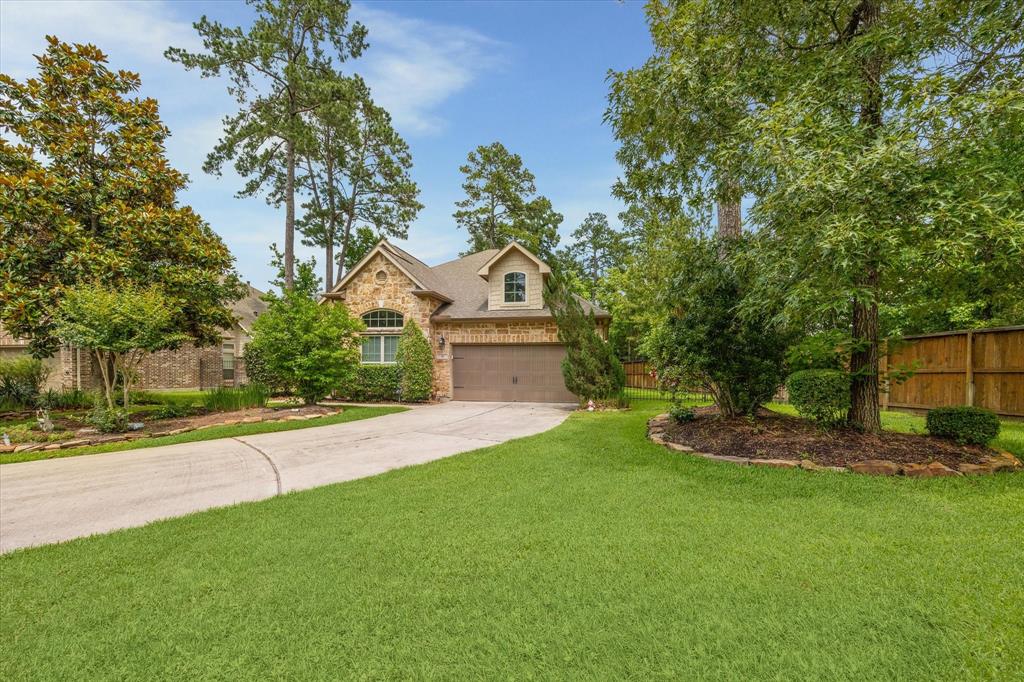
x,y
642,382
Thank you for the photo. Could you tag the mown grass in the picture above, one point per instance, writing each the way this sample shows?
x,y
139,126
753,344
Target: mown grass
x,y
585,552
229,431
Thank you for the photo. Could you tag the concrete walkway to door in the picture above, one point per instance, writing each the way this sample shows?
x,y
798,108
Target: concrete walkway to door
x,y
60,499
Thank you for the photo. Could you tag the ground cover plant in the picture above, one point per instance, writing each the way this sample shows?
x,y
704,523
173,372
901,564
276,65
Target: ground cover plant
x,y
583,552
211,433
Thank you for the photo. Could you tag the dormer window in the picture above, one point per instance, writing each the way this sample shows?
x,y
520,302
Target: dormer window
x,y
515,287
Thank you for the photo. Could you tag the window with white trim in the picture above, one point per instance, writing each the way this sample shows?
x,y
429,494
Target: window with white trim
x,y
380,341
515,287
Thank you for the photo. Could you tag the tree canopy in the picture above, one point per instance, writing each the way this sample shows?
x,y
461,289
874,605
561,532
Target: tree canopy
x,y
500,205
281,69
356,174
88,197
879,140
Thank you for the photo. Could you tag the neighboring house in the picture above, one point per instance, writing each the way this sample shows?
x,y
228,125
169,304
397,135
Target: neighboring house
x,y
187,367
492,335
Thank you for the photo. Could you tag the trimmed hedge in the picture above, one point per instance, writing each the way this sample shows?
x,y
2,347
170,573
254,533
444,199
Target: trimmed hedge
x,y
415,361
965,425
822,395
374,383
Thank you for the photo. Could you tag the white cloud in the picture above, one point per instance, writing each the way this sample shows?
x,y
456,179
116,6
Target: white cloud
x,y
413,65
136,31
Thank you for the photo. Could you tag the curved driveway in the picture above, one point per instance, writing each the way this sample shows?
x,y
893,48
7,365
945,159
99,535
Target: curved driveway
x,y
59,499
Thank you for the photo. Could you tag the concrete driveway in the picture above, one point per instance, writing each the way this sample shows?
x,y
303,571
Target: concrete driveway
x,y
59,499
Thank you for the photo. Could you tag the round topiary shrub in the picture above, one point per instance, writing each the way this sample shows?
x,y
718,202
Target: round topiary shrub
x,y
965,425
822,395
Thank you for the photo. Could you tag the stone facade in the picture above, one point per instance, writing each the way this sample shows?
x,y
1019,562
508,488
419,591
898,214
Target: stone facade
x,y
370,290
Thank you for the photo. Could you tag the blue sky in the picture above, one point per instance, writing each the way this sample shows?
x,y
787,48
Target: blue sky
x,y
453,74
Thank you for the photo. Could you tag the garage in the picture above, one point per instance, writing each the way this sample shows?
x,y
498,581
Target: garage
x,y
506,373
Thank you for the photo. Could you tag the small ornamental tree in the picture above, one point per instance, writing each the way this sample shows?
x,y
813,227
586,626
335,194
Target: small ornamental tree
x,y
707,342
590,368
310,346
120,327
415,361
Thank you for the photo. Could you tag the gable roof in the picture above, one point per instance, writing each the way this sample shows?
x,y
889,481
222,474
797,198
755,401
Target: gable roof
x,y
484,270
248,308
458,283
421,274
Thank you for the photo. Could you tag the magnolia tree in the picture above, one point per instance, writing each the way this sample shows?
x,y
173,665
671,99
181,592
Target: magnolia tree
x,y
120,327
310,346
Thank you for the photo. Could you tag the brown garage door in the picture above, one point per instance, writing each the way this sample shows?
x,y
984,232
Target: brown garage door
x,y
527,373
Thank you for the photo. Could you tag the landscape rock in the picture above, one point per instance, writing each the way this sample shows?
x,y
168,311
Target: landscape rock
x,y
75,443
1003,461
52,446
678,447
808,465
252,420
725,458
929,470
7,448
975,469
876,467
28,447
777,463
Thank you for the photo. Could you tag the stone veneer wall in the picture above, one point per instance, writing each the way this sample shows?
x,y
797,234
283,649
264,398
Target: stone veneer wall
x,y
483,331
364,293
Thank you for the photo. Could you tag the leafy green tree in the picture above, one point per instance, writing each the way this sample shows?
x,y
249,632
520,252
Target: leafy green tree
x,y
415,360
362,241
281,70
706,342
596,249
120,327
356,170
590,368
87,196
310,346
879,138
500,207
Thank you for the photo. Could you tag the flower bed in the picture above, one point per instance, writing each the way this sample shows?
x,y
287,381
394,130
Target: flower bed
x,y
783,441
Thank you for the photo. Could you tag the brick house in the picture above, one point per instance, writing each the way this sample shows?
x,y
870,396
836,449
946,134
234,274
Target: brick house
x,y
492,335
188,367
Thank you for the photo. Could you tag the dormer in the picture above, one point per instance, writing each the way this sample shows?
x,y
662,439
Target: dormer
x,y
515,279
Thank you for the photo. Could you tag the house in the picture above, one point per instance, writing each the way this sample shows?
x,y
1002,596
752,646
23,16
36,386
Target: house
x,y
187,367
492,335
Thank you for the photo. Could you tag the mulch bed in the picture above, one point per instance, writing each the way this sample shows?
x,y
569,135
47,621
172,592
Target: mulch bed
x,y
776,436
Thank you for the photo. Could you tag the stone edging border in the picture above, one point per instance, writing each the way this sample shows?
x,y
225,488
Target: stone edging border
x,y
102,440
1004,461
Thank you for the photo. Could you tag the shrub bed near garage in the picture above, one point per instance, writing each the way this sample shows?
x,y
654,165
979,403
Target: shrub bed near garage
x,y
374,383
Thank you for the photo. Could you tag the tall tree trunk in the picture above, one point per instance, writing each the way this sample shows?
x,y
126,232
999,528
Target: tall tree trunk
x,y
289,217
728,219
864,411
329,266
345,238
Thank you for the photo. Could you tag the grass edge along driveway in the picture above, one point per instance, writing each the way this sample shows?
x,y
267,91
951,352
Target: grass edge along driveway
x,y
582,552
349,414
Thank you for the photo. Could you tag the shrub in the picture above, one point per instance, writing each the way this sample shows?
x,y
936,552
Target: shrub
x,y
965,425
415,361
257,371
229,399
171,411
682,414
310,346
21,381
708,341
590,368
822,395
374,383
64,399
108,419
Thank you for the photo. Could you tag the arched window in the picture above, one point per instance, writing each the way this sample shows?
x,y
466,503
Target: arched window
x,y
380,340
515,287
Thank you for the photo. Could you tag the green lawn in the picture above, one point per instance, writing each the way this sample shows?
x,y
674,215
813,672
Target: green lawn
x,y
229,431
582,553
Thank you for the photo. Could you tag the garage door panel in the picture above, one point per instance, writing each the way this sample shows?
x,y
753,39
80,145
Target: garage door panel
x,y
527,373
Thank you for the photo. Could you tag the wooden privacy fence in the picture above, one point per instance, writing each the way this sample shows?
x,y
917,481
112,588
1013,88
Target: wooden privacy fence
x,y
983,367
